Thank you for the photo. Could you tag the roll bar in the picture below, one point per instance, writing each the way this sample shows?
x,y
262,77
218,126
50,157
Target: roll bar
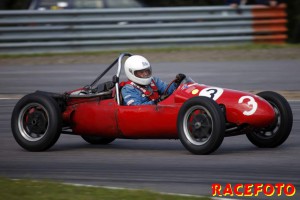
x,y
118,74
116,78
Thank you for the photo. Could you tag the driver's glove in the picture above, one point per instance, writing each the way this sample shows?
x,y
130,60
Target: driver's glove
x,y
179,78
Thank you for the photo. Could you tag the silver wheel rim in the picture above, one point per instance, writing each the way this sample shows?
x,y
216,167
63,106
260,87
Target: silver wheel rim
x,y
198,125
29,122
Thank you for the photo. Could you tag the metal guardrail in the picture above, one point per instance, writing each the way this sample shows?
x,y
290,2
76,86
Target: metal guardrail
x,y
90,30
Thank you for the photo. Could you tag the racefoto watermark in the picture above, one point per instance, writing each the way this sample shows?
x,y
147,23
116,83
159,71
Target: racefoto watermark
x,y
256,189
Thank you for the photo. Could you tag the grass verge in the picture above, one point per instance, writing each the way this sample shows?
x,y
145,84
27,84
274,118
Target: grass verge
x,y
183,54
165,50
42,190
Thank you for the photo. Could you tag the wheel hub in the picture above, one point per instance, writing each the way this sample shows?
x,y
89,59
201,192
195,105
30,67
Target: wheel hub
x,y
37,122
197,125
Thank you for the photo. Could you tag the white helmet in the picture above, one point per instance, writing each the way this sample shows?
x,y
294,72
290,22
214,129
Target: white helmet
x,y
137,63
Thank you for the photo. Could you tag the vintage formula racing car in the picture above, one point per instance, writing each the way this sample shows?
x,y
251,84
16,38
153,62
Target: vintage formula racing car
x,y
199,115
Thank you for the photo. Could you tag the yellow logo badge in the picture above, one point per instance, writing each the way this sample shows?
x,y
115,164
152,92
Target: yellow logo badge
x,y
195,91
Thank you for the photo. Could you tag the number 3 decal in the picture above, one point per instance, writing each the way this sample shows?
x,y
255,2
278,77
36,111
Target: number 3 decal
x,y
251,103
212,92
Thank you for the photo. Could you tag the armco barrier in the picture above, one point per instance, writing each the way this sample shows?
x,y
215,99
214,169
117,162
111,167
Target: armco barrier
x,y
93,30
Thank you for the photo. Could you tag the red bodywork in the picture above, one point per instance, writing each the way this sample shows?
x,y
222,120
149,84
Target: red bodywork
x,y
93,116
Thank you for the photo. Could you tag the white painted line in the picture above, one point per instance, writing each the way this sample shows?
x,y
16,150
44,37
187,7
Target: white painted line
x,y
219,198
11,96
166,193
121,188
295,101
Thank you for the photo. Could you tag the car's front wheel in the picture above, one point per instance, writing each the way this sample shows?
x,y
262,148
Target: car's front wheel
x,y
275,134
36,122
201,125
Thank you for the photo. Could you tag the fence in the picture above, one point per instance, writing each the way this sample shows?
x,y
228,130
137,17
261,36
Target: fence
x,y
106,29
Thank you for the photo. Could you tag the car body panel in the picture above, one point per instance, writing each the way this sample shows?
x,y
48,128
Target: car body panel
x,y
241,107
94,116
148,121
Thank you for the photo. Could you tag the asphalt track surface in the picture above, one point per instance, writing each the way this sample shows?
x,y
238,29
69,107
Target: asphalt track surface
x,y
159,165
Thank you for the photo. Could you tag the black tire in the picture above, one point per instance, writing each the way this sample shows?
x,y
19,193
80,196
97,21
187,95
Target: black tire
x,y
201,125
97,139
36,122
278,132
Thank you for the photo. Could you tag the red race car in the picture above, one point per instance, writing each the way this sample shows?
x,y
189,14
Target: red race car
x,y
199,115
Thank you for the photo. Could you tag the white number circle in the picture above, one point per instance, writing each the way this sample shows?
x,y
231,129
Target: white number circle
x,y
212,92
251,103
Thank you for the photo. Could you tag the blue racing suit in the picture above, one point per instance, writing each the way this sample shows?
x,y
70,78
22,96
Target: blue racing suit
x,y
134,96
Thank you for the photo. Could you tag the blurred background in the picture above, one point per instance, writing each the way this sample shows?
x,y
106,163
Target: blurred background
x,y
293,7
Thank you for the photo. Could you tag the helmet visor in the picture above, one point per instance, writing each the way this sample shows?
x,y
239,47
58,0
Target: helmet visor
x,y
143,73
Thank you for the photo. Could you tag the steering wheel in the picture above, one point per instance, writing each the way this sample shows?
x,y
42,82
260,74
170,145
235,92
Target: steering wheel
x,y
164,94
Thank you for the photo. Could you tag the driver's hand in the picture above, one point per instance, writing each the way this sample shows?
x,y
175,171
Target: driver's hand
x,y
179,78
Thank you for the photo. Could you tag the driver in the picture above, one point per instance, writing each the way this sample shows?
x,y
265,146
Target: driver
x,y
142,88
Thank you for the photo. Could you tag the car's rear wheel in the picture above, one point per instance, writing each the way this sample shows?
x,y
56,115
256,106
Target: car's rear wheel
x,y
36,122
201,125
278,132
97,139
